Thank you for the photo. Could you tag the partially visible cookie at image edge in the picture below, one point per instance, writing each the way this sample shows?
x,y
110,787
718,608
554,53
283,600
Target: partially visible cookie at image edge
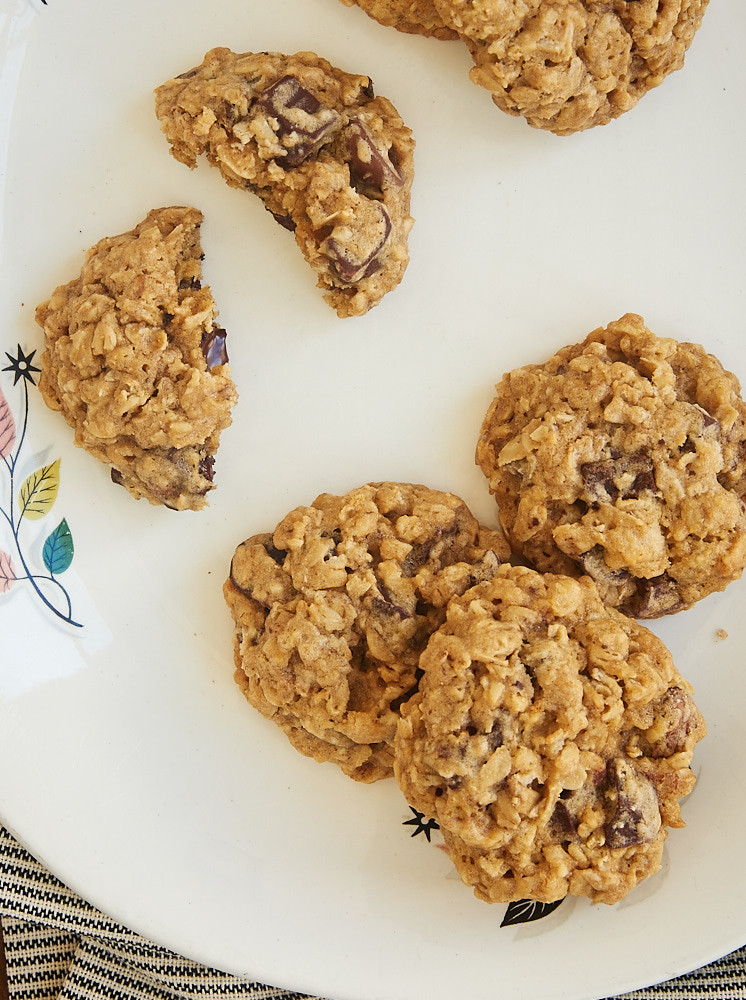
x,y
623,457
418,17
330,160
333,608
136,362
569,65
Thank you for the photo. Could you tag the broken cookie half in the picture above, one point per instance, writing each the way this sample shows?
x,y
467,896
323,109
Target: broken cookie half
x,y
331,161
136,363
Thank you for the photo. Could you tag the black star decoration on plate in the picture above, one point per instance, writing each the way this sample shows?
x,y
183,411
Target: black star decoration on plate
x,y
421,824
21,366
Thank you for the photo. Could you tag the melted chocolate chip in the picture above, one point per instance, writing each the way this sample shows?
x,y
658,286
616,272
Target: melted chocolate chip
x,y
495,737
207,468
656,597
286,221
563,823
676,711
388,608
116,477
347,262
635,817
184,460
419,554
214,349
366,161
485,569
594,565
301,122
278,555
192,284
708,420
621,478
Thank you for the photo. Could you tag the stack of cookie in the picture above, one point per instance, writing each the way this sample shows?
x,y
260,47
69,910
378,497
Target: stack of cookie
x,y
503,677
563,65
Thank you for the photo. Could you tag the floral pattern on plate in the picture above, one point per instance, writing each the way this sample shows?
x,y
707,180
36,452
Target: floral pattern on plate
x,y
30,501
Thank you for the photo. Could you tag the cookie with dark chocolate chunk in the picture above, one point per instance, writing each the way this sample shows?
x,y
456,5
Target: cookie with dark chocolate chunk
x,y
333,608
623,458
551,738
330,160
136,363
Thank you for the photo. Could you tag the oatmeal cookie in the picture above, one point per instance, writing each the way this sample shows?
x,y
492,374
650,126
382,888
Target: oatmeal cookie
x,y
551,738
623,457
136,363
333,609
331,162
417,17
568,65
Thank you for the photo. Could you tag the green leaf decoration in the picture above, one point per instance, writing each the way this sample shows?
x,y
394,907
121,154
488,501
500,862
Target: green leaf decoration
x,y
59,549
7,573
39,491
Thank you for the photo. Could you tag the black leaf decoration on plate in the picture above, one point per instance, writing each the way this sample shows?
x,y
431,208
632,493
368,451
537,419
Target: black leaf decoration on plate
x,y
526,910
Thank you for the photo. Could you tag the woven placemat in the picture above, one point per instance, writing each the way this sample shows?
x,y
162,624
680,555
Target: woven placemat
x,y
59,946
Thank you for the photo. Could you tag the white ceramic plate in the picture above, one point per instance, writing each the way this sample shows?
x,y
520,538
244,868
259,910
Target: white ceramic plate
x,y
131,764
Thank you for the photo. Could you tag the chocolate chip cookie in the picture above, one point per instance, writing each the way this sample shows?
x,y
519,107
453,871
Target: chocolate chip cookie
x,y
417,17
333,609
551,738
568,65
330,160
624,458
136,363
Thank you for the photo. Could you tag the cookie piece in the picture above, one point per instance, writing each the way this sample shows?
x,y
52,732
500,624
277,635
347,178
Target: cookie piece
x,y
551,738
332,162
416,17
623,457
568,65
333,609
136,363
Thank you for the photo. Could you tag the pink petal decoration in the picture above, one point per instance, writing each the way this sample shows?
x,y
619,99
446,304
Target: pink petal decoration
x,y
7,574
7,427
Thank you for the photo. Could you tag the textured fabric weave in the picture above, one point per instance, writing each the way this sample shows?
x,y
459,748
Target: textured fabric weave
x,y
59,947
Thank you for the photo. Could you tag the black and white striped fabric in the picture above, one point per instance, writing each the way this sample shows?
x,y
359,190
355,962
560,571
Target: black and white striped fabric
x,y
58,947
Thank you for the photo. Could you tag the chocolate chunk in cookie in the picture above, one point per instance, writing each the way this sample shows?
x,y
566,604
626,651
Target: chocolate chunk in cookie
x,y
624,458
568,65
332,162
333,609
551,738
136,363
